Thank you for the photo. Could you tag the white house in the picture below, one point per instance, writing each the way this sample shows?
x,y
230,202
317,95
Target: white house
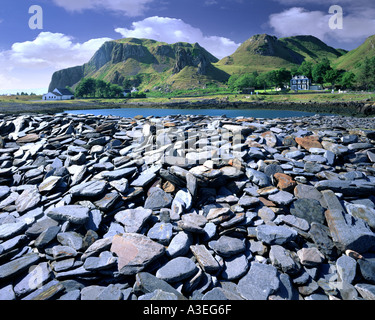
x,y
59,94
300,83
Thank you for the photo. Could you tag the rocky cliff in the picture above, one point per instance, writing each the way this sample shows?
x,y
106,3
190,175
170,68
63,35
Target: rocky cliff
x,y
117,60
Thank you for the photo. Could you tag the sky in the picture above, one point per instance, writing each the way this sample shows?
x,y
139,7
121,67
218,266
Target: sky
x,y
39,37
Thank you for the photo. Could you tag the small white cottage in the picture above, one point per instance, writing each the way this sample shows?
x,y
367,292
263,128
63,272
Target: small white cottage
x,y
59,94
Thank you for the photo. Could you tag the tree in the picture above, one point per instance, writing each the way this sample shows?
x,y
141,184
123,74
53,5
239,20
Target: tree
x,y
247,80
306,69
366,75
87,87
319,70
115,90
282,77
347,80
231,81
331,76
102,89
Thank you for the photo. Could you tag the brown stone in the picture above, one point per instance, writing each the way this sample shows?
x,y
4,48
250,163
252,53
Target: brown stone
x,y
309,142
267,202
270,138
284,182
169,124
135,251
32,137
169,187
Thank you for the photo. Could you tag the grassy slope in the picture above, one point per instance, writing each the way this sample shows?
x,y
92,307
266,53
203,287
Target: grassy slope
x,y
311,48
254,54
352,60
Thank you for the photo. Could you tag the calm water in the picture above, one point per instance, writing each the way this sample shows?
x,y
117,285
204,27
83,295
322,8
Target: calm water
x,y
231,113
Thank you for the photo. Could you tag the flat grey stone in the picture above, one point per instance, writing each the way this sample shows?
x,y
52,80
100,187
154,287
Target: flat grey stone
x,y
88,189
282,259
216,294
104,261
259,283
346,269
94,292
62,252
133,219
71,239
9,230
235,267
143,179
4,191
46,292
73,213
227,246
275,234
158,199
28,200
49,184
367,269
41,225
148,283
161,232
362,212
7,293
34,279
177,269
108,201
259,178
281,197
14,267
346,231
47,236
205,259
367,291
347,188
308,209
118,174
158,294
179,244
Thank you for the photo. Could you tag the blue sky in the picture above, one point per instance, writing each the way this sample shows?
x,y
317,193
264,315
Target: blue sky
x,y
74,29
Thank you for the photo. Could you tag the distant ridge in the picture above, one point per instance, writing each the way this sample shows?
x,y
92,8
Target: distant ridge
x,y
166,67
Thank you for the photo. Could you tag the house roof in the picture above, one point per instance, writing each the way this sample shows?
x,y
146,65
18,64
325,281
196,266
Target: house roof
x,y
300,77
63,91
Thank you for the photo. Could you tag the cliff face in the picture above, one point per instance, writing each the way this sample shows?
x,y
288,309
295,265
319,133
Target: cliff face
x,y
116,60
66,77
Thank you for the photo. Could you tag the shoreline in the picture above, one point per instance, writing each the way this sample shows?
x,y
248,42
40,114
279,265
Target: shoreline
x,y
345,108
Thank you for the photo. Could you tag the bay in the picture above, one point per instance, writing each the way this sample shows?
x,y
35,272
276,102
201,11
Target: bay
x,y
231,113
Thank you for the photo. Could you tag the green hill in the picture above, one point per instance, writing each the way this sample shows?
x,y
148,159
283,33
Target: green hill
x,y
311,48
157,64
352,60
263,53
167,67
260,53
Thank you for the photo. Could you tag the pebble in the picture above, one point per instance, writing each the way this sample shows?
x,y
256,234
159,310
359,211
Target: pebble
x,y
111,208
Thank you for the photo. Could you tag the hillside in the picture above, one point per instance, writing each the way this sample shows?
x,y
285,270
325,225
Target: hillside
x,y
168,66
260,53
353,59
263,53
311,48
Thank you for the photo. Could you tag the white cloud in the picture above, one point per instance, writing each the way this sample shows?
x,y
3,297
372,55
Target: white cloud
x,y
172,30
299,21
30,64
130,8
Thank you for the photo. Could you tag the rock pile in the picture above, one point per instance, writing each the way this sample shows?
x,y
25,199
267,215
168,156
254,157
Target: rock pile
x,y
186,207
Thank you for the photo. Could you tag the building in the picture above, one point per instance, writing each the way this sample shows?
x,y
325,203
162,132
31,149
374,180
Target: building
x,y
300,83
59,94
